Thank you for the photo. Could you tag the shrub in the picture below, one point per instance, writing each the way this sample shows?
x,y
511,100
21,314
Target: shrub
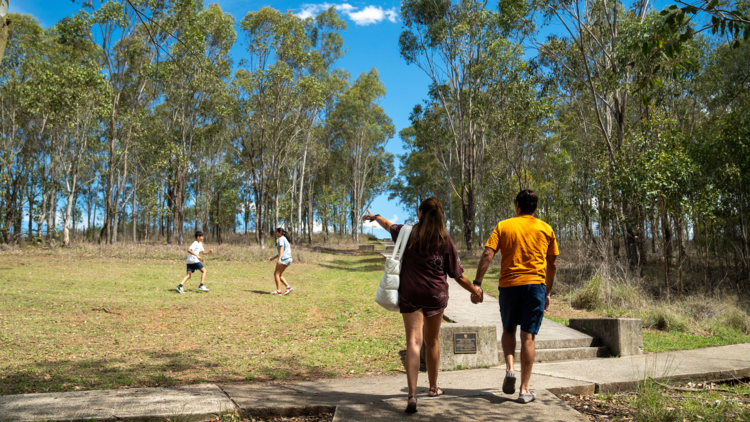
x,y
590,295
625,296
661,317
736,319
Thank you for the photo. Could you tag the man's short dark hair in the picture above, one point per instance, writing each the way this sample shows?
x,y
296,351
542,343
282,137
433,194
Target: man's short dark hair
x,y
198,233
527,201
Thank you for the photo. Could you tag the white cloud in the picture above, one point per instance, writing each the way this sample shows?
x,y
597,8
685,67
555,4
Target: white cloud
x,y
363,17
392,15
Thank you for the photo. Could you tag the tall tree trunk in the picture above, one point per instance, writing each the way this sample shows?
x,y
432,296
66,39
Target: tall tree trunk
x,y
310,215
135,205
667,236
301,191
69,209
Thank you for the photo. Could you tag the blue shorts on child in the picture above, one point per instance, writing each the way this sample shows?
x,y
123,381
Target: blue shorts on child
x,y
194,267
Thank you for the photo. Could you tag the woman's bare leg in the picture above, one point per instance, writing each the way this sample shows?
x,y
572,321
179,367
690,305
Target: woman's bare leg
x,y
277,275
413,323
432,346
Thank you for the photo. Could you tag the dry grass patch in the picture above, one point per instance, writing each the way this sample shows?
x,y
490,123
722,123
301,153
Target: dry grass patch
x,y
81,319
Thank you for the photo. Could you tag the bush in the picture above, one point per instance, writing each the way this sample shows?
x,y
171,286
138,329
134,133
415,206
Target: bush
x,y
8,247
590,295
661,317
736,319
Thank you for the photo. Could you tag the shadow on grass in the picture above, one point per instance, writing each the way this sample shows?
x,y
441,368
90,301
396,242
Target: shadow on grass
x,y
259,292
362,265
161,369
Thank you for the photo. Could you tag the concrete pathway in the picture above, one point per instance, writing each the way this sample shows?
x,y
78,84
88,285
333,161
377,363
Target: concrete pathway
x,y
486,407
198,401
470,394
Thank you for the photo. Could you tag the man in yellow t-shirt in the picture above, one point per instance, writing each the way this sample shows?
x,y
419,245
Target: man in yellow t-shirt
x,y
527,272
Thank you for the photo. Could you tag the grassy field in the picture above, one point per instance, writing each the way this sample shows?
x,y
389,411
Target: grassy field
x,y
78,320
109,317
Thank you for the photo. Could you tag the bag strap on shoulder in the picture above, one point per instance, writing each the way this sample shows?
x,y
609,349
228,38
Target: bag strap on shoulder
x,y
403,238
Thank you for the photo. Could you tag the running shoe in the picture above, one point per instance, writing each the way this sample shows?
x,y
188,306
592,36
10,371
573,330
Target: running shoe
x,y
526,398
179,289
203,288
288,290
509,383
276,293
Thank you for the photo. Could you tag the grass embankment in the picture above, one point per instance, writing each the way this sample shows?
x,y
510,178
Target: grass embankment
x,y
96,318
688,322
661,402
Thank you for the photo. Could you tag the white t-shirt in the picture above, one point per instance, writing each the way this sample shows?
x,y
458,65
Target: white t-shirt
x,y
197,248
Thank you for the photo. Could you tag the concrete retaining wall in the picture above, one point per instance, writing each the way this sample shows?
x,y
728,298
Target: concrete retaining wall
x,y
623,336
485,356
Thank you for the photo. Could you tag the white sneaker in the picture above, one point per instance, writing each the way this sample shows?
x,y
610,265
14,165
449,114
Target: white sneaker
x,y
179,289
276,293
288,290
203,288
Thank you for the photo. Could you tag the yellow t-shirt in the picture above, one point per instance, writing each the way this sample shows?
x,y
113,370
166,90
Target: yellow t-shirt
x,y
524,243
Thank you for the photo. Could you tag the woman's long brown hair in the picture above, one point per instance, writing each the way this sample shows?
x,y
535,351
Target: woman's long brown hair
x,y
430,233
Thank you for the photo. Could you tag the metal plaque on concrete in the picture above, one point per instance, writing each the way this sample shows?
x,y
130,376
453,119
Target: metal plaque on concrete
x,y
464,343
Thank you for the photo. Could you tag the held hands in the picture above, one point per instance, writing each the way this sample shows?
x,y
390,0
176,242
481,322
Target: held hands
x,y
477,297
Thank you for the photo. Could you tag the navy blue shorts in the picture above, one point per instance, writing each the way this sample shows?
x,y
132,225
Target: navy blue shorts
x,y
194,267
524,306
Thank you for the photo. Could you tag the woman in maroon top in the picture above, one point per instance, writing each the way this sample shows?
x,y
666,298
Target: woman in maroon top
x,y
423,291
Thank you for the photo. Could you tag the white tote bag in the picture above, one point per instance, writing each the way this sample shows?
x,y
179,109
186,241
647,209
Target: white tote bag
x,y
387,295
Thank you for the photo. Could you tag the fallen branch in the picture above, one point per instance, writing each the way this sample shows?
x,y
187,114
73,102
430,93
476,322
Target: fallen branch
x,y
695,390
104,310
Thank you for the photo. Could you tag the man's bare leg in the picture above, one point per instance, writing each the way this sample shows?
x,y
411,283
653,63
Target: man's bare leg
x,y
508,341
509,347
528,351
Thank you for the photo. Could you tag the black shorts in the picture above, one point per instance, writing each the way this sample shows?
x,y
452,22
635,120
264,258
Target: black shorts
x,y
194,267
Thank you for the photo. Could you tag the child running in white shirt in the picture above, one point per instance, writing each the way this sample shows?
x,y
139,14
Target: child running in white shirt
x,y
194,263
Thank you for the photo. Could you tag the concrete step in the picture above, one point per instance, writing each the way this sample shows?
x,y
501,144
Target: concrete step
x,y
559,355
566,343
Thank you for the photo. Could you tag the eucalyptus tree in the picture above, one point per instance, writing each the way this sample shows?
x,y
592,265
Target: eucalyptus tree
x,y
362,129
125,55
23,120
454,44
79,92
327,42
193,81
275,95
596,56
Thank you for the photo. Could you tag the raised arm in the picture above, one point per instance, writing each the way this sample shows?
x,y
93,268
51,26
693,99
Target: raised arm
x,y
378,219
